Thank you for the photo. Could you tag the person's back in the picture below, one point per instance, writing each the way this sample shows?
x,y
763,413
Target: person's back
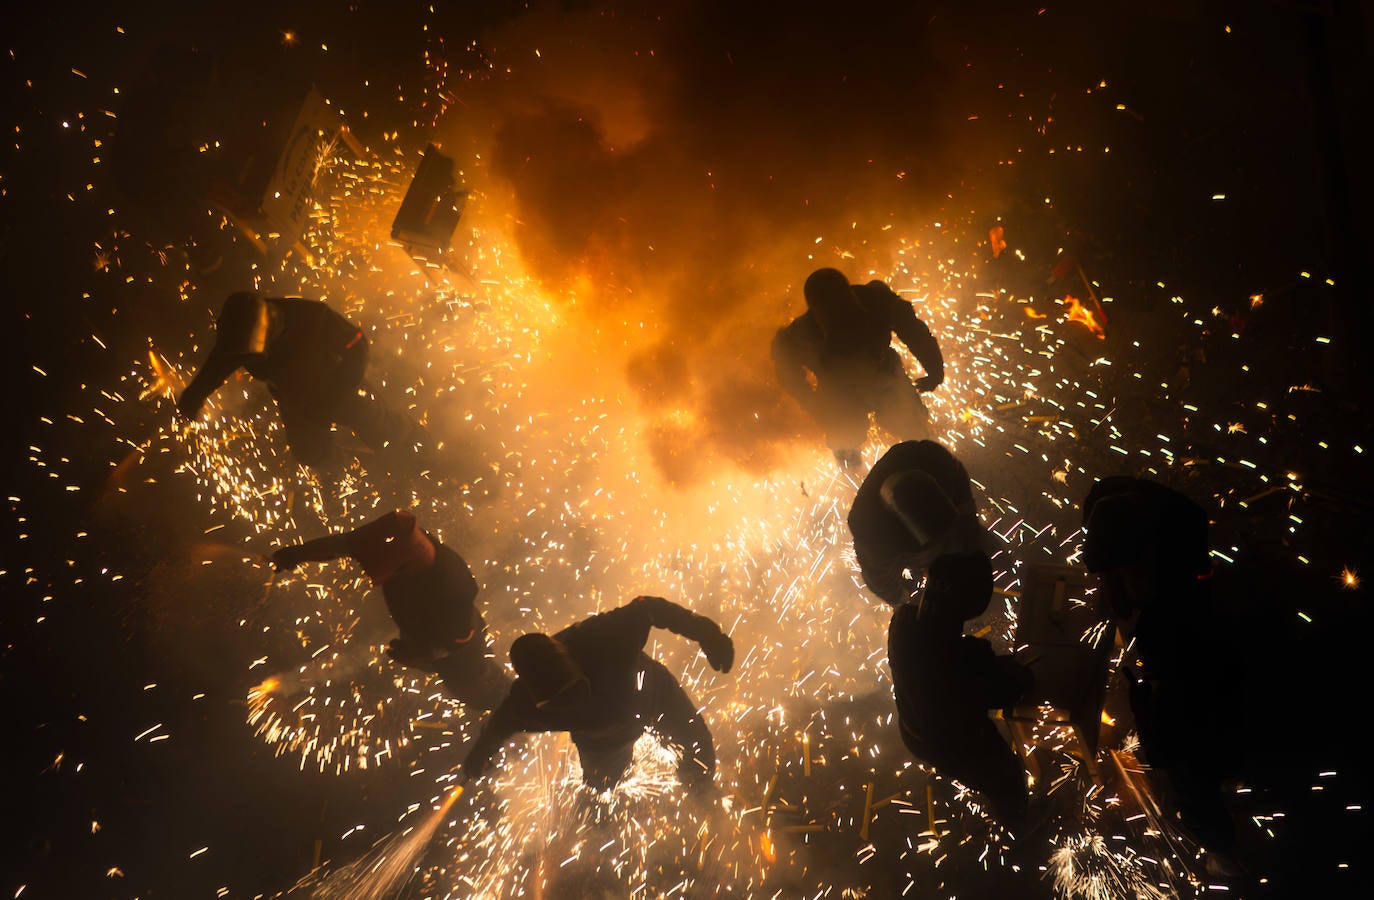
x,y
594,681
430,593
436,603
307,349
940,682
301,348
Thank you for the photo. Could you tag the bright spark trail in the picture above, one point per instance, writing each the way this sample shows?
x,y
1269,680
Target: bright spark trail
x,y
534,465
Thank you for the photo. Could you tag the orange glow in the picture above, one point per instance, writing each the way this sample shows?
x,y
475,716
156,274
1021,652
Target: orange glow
x,y
165,380
267,687
1084,316
995,235
770,853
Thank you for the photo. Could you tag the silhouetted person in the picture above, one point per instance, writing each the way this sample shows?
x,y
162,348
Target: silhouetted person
x,y
945,682
1149,545
431,595
915,504
837,360
594,681
312,360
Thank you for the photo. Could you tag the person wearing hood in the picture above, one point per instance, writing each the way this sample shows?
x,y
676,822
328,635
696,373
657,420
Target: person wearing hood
x,y
1149,546
431,595
594,681
914,505
312,360
837,360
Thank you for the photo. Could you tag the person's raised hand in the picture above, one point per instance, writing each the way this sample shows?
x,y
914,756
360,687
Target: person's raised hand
x,y
720,651
284,558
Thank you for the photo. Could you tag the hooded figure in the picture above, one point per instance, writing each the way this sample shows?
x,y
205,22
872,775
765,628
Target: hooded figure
x,y
837,360
915,504
431,595
945,682
594,681
1149,546
312,360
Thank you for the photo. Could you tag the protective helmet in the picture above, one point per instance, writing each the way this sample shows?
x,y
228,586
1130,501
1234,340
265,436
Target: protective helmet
x,y
242,323
827,287
917,499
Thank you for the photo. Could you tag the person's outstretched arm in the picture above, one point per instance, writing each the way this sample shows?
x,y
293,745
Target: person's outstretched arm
x,y
661,613
216,369
502,725
916,335
329,547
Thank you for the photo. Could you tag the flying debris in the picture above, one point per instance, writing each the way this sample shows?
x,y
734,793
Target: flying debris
x,y
433,204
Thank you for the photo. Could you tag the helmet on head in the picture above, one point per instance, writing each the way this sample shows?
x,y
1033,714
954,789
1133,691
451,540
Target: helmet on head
x,y
242,322
827,288
1131,521
922,505
543,663
1114,533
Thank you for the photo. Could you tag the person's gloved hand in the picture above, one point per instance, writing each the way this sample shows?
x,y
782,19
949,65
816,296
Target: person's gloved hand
x,y
720,651
284,558
928,383
472,769
183,418
187,409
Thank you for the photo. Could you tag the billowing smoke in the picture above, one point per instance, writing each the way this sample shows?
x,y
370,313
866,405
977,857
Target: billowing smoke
x,y
675,171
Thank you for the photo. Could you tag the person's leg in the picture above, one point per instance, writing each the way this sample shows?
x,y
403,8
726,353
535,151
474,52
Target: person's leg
x,y
604,762
983,761
375,423
309,432
843,414
471,674
900,410
672,715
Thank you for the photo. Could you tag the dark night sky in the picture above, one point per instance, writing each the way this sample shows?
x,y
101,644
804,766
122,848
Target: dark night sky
x,y
1266,114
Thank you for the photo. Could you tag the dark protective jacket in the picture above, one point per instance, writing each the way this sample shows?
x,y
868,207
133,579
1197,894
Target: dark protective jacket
x,y
945,684
883,545
609,649
1143,533
863,345
436,606
1135,521
429,590
301,348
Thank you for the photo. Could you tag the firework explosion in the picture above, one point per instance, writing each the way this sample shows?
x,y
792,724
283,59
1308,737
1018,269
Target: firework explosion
x,y
571,484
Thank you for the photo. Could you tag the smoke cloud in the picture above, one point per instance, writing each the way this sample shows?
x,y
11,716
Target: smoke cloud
x,y
670,169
